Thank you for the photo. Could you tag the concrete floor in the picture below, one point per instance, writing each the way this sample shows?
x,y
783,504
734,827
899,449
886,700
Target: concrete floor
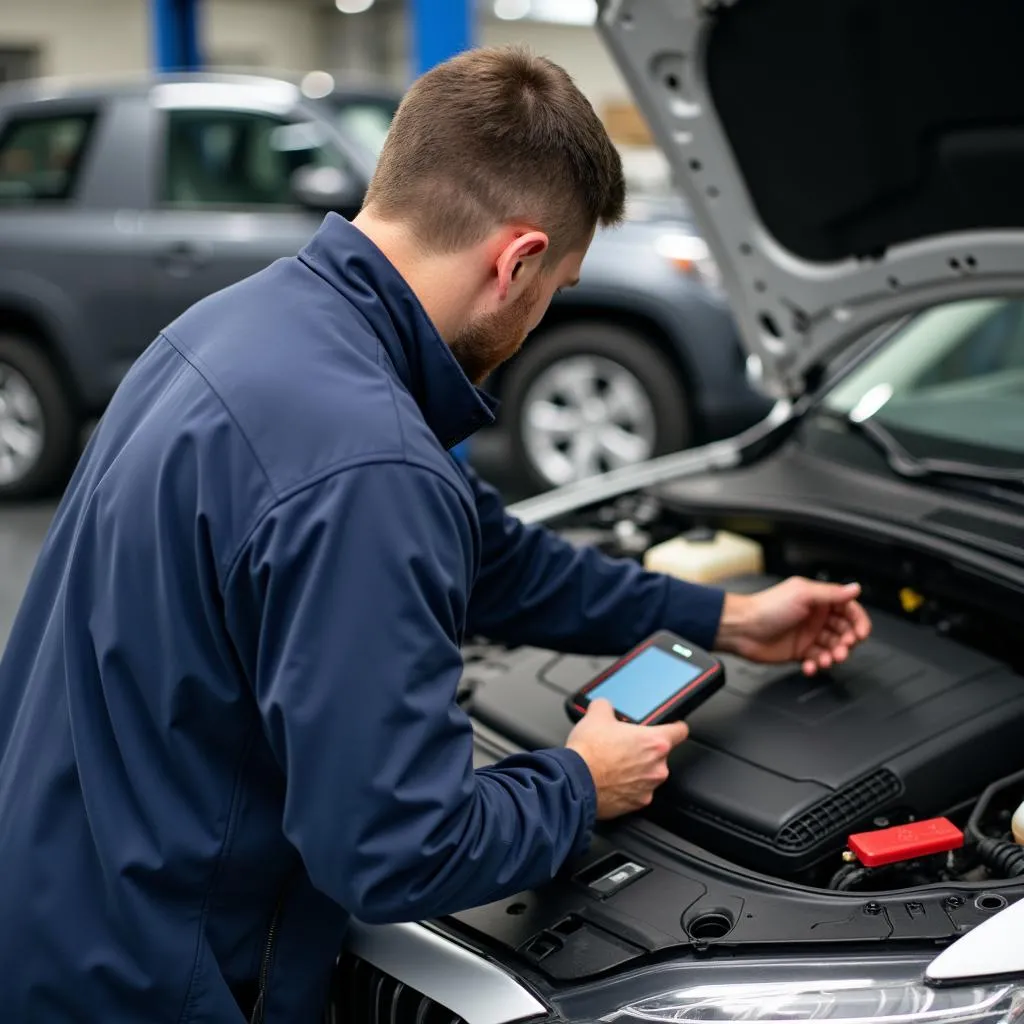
x,y
21,533
22,529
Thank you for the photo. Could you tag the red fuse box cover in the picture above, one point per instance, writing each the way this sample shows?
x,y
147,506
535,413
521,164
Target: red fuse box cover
x,y
905,842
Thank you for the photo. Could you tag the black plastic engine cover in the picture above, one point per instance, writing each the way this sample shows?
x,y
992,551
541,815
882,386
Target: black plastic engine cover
x,y
779,768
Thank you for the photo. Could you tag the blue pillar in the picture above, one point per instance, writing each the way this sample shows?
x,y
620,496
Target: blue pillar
x,y
441,29
175,35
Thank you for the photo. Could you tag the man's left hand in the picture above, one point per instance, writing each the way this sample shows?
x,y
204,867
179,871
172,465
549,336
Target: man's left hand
x,y
816,624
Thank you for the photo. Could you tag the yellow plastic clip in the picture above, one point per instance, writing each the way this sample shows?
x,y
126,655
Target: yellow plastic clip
x,y
911,600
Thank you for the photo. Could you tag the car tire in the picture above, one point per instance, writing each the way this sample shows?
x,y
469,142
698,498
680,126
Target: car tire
x,y
33,405
626,361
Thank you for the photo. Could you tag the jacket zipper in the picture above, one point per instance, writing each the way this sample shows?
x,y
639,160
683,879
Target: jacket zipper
x,y
265,964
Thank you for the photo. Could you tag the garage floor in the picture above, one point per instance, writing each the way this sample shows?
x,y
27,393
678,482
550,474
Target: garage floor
x,y
21,533
22,529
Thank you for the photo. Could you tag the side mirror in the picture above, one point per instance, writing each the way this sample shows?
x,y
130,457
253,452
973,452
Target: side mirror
x,y
328,188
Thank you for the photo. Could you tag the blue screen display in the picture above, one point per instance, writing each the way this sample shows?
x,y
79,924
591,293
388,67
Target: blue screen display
x,y
643,684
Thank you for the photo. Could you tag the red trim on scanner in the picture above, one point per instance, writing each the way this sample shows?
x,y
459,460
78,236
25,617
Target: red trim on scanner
x,y
613,669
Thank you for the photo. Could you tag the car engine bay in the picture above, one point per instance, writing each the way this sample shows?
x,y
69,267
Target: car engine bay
x,y
780,771
753,842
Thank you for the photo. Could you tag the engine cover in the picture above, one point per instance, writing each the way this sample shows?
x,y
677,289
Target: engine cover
x,y
780,768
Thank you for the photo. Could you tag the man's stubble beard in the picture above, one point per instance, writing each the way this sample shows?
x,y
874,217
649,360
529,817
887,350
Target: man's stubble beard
x,y
483,345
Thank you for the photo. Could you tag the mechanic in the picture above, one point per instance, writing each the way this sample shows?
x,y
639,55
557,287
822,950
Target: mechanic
x,y
227,707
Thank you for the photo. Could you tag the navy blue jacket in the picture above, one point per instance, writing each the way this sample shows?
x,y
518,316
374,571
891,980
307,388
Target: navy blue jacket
x,y
229,693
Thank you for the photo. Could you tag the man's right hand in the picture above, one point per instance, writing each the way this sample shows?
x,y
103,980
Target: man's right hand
x,y
627,762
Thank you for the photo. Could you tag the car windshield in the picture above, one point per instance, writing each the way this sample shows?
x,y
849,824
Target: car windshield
x,y
949,385
365,121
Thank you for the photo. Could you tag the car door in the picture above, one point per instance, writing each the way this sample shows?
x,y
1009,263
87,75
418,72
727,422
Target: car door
x,y
223,204
69,197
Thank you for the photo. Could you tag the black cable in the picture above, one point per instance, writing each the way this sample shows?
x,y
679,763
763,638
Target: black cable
x,y
974,821
848,876
1003,858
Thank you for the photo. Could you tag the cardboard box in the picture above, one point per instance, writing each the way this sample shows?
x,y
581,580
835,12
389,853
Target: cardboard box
x,y
626,124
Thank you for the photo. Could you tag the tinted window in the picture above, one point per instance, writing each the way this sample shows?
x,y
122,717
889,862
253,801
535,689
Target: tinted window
x,y
40,157
366,122
950,384
235,158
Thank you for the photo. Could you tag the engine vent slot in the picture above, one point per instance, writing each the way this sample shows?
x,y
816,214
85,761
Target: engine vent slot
x,y
838,811
361,992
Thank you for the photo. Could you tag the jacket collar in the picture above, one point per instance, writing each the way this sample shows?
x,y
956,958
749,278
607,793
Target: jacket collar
x,y
452,407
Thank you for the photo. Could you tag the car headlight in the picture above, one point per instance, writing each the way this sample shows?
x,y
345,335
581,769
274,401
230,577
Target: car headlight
x,y
853,1002
691,255
866,992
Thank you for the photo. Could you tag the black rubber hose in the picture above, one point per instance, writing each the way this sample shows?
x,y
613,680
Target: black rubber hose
x,y
1003,858
974,822
848,876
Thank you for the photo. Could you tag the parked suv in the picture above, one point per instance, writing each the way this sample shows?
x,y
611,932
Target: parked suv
x,y
122,205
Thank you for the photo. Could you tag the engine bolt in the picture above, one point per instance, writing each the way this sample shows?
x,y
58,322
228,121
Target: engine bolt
x,y
952,902
873,908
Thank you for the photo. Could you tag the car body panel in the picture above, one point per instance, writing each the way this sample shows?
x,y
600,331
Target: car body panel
x,y
797,309
991,950
467,984
120,165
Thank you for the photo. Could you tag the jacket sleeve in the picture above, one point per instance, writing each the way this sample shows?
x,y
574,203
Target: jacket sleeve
x,y
535,588
358,588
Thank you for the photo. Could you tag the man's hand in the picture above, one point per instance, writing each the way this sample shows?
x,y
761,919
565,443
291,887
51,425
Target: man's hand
x,y
627,762
816,624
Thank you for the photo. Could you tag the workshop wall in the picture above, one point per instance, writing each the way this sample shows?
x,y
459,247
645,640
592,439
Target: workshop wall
x,y
579,50
274,34
112,37
78,37
101,37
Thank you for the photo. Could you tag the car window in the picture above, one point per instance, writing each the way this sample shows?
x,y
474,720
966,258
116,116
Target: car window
x,y
40,157
367,122
236,158
949,384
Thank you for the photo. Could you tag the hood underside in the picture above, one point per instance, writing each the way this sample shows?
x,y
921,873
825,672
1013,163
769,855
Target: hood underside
x,y
847,161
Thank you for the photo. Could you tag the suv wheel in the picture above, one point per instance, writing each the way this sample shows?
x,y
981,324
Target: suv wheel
x,y
37,427
584,399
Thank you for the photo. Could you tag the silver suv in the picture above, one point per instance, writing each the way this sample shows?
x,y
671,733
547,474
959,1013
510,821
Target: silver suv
x,y
120,206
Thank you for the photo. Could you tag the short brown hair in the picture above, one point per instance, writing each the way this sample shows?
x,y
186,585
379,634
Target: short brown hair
x,y
494,136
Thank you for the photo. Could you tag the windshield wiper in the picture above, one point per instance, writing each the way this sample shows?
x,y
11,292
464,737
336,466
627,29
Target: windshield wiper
x,y
903,463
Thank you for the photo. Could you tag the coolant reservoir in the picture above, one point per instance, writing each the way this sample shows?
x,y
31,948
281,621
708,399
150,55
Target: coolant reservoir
x,y
1018,825
706,556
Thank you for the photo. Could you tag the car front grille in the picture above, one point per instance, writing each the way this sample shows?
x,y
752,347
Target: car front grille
x,y
362,994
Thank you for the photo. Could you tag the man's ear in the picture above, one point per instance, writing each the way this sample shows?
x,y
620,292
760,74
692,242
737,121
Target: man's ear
x,y
520,259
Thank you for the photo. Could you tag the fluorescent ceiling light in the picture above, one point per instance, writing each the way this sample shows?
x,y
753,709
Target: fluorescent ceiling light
x,y
511,10
353,6
317,84
565,12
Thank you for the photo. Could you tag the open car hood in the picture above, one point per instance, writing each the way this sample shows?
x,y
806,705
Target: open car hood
x,y
847,161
